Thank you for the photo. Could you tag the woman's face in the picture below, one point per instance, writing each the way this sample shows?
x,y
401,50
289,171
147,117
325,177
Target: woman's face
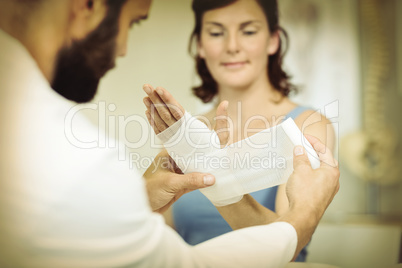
x,y
235,43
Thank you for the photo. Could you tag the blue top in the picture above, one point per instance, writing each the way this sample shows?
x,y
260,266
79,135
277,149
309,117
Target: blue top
x,y
197,220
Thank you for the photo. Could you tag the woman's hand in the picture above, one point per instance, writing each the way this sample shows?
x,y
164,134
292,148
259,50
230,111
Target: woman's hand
x,y
163,111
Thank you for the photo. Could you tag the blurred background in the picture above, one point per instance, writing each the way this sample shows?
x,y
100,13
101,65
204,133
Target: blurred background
x,y
346,56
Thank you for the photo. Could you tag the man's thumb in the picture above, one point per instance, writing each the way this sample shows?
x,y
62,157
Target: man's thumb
x,y
196,181
300,157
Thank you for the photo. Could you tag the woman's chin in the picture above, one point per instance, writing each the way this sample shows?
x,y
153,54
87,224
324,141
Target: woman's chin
x,y
236,85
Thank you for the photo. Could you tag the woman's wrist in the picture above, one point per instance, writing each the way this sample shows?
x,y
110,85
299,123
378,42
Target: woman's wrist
x,y
247,212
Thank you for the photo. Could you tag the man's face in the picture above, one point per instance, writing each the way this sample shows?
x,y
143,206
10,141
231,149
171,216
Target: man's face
x,y
81,65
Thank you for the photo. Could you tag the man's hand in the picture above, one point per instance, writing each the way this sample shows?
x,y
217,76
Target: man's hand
x,y
310,191
166,183
309,188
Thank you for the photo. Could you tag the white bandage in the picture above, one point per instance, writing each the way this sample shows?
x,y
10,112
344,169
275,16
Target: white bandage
x,y
188,137
260,161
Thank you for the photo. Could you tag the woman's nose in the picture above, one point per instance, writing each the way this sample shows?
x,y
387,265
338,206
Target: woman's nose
x,y
233,44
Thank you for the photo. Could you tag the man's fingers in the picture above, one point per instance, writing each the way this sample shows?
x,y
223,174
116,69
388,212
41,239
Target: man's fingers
x,y
316,143
193,181
222,123
175,108
160,106
325,154
300,158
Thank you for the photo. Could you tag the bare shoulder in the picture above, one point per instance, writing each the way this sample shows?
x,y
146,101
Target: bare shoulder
x,y
314,123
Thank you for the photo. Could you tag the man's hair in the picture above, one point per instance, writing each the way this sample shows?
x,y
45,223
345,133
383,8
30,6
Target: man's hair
x,y
81,66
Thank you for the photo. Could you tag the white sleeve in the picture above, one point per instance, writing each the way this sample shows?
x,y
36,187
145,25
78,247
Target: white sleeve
x,y
271,245
106,222
75,207
261,246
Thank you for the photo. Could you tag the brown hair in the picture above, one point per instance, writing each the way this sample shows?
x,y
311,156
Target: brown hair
x,y
277,76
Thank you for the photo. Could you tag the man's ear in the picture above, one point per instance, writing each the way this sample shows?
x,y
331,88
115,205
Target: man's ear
x,y
85,16
273,44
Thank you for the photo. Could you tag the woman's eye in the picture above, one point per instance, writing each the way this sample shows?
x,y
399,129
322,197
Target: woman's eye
x,y
216,34
249,32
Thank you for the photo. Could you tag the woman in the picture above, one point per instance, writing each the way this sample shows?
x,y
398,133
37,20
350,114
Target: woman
x,y
239,59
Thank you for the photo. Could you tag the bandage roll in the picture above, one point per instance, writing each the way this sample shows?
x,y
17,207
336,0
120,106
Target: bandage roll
x,y
260,161
229,190
297,138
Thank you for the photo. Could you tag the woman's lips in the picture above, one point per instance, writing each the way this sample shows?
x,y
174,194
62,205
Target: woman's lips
x,y
234,65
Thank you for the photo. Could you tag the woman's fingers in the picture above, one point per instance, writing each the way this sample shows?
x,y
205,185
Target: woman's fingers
x,y
162,109
323,152
222,124
159,122
175,108
148,103
152,122
153,117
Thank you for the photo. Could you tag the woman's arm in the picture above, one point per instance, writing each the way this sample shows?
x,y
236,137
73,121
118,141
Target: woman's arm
x,y
244,213
247,212
168,215
166,112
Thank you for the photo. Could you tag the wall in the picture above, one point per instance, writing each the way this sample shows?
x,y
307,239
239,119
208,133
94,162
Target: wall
x,y
325,63
390,196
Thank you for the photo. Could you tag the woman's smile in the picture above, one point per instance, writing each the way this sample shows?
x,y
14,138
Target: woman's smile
x,y
235,65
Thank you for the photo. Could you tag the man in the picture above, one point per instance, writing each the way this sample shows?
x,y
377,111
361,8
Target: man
x,y
63,206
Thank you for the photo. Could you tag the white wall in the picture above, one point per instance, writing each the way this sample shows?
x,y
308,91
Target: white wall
x,y
324,60
355,246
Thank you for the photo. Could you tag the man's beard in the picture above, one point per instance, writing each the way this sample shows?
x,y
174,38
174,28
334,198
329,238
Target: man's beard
x,y
80,67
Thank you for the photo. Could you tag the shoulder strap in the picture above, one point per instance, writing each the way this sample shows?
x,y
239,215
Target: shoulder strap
x,y
296,112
